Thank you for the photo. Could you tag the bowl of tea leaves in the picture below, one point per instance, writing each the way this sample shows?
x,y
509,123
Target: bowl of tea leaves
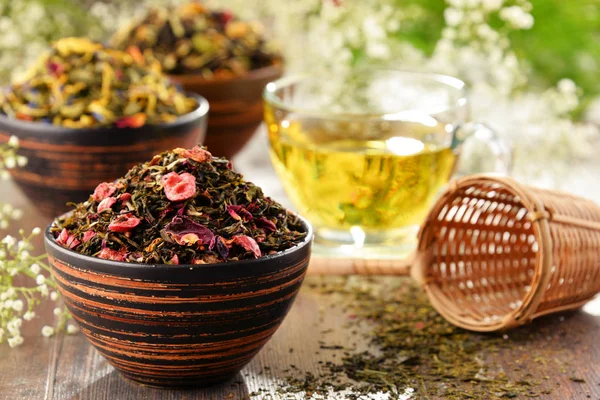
x,y
215,54
180,271
85,113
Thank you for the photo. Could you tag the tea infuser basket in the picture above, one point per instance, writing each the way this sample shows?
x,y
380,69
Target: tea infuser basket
x,y
494,254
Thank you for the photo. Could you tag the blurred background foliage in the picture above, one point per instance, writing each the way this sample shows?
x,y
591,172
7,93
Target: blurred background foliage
x,y
563,43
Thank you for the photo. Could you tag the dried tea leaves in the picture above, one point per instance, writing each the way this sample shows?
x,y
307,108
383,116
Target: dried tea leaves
x,y
80,84
183,207
193,39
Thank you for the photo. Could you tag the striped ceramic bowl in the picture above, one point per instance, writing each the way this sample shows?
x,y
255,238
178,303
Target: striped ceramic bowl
x,y
179,325
65,165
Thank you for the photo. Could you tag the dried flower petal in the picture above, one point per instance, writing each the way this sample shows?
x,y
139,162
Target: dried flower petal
x,y
104,190
239,213
106,204
186,232
110,254
124,223
65,239
265,224
179,187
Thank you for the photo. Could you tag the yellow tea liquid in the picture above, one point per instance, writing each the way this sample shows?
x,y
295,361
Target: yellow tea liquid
x,y
374,184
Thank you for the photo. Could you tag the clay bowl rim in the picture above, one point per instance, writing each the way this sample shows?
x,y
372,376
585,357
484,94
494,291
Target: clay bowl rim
x,y
268,73
43,129
96,264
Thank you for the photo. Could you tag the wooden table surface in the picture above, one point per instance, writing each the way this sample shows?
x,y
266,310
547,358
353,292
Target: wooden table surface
x,y
67,367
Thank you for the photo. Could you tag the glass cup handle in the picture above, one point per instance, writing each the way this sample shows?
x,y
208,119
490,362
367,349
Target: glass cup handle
x,y
486,152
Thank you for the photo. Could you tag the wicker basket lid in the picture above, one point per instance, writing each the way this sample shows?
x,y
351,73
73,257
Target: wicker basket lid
x,y
494,254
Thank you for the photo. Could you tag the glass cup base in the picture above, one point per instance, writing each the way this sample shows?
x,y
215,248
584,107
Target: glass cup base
x,y
356,243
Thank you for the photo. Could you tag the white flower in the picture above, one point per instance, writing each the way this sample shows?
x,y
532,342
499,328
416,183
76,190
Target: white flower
x,y
3,224
457,3
57,311
36,231
17,214
15,341
517,17
10,292
9,241
13,271
40,279
35,268
13,326
378,50
43,290
10,162
47,331
5,175
53,296
372,28
21,161
13,141
25,255
491,5
8,303
29,315
567,86
72,329
453,17
18,305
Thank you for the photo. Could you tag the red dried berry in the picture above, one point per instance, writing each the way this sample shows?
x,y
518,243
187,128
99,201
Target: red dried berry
x,y
125,197
133,121
124,223
179,187
226,16
103,191
247,243
110,254
196,153
88,236
55,68
106,204
65,239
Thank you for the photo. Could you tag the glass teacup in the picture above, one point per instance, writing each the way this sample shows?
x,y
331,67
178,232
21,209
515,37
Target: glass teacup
x,y
363,156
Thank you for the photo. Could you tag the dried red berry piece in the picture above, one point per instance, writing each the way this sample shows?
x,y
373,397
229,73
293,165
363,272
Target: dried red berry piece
x,y
88,236
179,187
55,68
124,223
125,197
110,254
104,190
106,204
247,243
132,121
196,153
65,239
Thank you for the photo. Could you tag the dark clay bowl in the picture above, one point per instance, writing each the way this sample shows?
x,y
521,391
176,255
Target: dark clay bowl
x,y
236,106
179,325
65,165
